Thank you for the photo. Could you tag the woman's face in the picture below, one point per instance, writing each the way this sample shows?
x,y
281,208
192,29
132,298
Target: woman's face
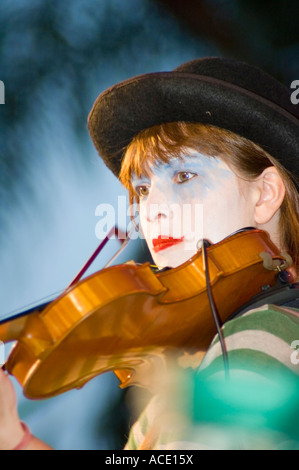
x,y
187,200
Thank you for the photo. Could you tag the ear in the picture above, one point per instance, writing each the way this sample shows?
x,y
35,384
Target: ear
x,y
271,195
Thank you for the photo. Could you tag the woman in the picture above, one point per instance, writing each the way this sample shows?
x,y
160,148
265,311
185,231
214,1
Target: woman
x,y
238,185
205,151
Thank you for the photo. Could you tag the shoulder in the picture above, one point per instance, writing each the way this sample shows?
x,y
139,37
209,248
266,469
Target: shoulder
x,y
260,338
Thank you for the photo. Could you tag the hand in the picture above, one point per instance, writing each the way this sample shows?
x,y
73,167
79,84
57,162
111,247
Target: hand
x,y
11,431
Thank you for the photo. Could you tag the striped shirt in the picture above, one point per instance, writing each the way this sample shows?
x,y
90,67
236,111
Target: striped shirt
x,y
261,347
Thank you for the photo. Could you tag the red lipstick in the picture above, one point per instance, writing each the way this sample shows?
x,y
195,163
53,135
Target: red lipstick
x,y
162,242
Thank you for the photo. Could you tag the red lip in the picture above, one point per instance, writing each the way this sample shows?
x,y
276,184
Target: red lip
x,y
161,243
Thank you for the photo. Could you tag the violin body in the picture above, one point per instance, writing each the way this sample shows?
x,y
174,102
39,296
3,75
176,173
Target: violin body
x,y
120,317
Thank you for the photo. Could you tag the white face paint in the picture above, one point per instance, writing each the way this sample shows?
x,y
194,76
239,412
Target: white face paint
x,y
187,200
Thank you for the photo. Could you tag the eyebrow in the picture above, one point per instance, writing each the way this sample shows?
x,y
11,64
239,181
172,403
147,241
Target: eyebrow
x,y
181,163
137,179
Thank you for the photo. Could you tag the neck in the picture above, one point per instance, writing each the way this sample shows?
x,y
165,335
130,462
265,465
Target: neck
x,y
272,227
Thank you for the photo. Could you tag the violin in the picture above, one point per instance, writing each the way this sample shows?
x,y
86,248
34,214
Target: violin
x,y
124,316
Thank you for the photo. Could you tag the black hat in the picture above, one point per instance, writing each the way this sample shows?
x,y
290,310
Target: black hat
x,y
222,92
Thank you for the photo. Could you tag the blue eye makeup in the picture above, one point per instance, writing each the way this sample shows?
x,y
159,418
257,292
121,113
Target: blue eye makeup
x,y
141,186
184,176
141,191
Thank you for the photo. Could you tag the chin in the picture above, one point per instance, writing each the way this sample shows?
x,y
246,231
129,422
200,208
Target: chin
x,y
172,257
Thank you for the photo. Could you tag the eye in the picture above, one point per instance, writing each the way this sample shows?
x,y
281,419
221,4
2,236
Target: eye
x,y
142,191
184,176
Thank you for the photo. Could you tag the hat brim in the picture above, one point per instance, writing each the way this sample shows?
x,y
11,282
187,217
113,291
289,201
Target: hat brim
x,y
124,110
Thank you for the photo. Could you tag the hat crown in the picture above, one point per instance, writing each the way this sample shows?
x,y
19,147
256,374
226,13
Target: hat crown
x,y
245,76
218,92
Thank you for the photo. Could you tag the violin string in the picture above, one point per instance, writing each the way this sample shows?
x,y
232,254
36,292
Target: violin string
x,y
213,307
33,306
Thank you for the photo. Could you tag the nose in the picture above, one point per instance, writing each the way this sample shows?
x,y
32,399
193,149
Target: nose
x,y
157,205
